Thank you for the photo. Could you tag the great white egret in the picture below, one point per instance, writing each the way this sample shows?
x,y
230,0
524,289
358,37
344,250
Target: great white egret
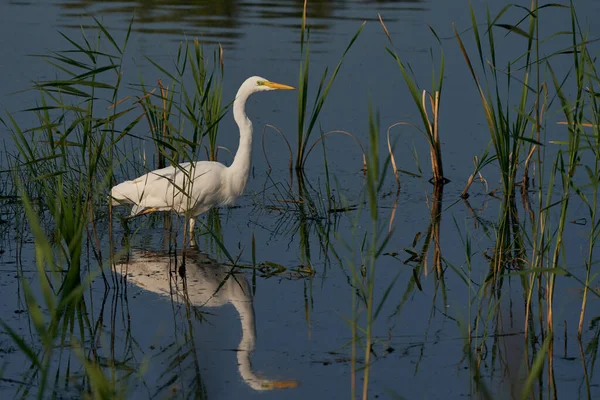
x,y
207,284
193,188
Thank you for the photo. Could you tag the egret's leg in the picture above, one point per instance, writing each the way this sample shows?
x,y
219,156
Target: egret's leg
x,y
192,239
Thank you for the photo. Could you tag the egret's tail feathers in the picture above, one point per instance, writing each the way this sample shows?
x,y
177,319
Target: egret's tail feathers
x,y
118,201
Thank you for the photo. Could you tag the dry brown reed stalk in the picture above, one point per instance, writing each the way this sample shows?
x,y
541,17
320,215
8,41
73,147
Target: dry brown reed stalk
x,y
96,237
392,158
226,149
144,97
584,366
477,220
551,379
525,182
394,207
284,139
362,149
395,168
465,192
430,123
432,235
307,152
436,218
534,146
115,104
435,148
221,58
207,152
583,124
583,305
526,201
476,172
163,94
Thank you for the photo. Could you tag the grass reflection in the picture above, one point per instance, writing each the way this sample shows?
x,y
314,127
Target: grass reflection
x,y
224,21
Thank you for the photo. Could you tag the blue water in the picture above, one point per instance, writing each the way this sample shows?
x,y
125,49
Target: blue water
x,y
301,333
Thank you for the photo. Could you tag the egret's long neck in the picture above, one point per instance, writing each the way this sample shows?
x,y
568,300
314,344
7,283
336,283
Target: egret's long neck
x,y
248,341
243,305
240,168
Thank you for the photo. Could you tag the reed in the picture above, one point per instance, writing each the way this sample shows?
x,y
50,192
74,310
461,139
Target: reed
x,y
367,247
306,120
180,110
181,114
518,137
64,162
508,126
421,99
576,112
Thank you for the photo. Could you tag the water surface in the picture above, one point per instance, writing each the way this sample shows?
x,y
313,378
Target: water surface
x,y
288,332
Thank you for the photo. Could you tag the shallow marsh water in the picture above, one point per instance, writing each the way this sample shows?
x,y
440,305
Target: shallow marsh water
x,y
300,322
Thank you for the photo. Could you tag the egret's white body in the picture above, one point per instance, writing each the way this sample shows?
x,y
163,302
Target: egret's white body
x,y
208,284
193,188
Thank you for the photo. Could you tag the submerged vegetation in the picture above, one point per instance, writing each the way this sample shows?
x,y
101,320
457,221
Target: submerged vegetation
x,y
93,129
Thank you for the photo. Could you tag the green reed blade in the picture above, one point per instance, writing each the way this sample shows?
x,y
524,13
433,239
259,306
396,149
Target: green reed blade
x,y
109,36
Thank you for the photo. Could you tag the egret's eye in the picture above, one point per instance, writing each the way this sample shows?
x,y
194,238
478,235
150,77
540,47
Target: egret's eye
x,y
261,83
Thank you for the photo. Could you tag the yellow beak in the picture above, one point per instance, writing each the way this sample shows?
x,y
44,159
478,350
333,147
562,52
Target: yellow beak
x,y
275,85
282,384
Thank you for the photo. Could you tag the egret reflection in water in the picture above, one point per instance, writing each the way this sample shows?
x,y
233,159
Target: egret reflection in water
x,y
202,282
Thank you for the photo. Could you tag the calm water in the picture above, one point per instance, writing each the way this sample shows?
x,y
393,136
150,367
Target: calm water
x,y
290,328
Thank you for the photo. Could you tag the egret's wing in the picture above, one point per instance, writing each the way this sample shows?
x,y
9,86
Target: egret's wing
x,y
178,187
154,184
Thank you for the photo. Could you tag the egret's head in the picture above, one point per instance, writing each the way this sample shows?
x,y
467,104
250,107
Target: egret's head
x,y
258,84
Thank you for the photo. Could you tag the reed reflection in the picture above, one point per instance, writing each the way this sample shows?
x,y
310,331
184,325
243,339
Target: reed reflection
x,y
197,281
224,20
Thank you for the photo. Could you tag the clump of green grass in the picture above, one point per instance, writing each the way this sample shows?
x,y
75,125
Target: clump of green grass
x,y
65,163
181,110
306,121
421,98
518,138
509,126
68,162
581,112
69,157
